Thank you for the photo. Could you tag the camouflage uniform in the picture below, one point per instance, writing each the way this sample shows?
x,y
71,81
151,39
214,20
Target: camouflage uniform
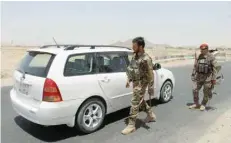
x,y
206,69
140,72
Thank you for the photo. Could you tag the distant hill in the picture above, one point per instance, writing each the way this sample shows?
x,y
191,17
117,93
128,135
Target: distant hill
x,y
148,44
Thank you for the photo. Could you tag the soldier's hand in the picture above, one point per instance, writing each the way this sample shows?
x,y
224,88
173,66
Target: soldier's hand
x,y
213,82
128,84
151,91
193,77
210,96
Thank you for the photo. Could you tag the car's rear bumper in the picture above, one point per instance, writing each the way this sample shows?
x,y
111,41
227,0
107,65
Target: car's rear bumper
x,y
46,113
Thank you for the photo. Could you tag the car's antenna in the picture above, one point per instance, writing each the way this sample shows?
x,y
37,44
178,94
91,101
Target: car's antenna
x,y
56,43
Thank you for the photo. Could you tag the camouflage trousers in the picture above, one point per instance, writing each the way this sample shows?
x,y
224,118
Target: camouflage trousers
x,y
139,89
207,90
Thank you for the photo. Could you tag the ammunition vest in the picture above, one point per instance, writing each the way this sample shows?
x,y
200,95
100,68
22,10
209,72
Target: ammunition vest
x,y
133,70
204,65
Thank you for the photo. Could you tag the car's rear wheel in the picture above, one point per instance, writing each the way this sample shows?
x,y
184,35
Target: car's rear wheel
x,y
166,92
90,116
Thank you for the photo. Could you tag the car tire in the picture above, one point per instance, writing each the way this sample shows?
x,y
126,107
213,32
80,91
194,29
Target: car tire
x,y
166,87
83,124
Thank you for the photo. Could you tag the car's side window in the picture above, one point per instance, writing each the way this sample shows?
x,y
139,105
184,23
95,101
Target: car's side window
x,y
110,62
128,57
80,64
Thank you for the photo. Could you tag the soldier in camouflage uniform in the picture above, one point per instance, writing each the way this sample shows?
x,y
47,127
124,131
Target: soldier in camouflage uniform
x,y
140,73
205,73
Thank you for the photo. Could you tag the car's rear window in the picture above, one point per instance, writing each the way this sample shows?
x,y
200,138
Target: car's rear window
x,y
36,63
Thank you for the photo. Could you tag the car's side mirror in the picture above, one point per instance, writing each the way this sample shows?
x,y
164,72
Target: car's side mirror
x,y
156,66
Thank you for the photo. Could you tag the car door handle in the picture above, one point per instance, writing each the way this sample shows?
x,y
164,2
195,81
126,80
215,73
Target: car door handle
x,y
105,80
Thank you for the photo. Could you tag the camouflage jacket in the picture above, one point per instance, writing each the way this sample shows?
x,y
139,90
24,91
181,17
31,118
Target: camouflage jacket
x,y
141,69
212,65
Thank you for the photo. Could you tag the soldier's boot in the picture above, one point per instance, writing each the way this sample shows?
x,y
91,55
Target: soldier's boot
x,y
129,129
151,117
202,108
193,106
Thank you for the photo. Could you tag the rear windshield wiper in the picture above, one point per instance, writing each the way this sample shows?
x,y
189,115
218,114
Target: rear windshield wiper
x,y
23,73
23,76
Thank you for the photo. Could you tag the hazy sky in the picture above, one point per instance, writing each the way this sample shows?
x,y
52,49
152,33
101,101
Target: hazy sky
x,y
174,23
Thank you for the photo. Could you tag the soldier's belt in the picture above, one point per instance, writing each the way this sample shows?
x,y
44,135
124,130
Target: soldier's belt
x,y
135,80
204,72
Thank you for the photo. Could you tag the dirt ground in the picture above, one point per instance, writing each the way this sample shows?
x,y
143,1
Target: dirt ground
x,y
10,57
9,60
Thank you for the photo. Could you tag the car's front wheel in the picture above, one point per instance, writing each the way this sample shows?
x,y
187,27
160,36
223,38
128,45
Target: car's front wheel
x,y
90,116
166,92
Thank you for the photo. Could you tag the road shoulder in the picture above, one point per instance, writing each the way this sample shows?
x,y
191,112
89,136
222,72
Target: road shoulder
x,y
220,131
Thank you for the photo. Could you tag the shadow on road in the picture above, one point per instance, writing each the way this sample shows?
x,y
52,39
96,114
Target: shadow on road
x,y
207,108
57,133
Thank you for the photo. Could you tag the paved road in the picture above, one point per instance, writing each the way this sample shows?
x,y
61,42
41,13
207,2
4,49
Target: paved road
x,y
175,124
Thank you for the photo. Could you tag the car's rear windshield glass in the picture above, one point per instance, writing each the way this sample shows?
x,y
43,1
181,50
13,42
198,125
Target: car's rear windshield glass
x,y
36,63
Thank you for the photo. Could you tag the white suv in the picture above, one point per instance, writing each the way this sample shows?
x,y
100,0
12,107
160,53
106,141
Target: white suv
x,y
78,85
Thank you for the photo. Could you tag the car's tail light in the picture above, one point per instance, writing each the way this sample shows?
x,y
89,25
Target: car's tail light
x,y
51,91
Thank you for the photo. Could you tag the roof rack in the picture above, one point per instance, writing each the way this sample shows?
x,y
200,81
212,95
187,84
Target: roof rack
x,y
58,46
72,47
